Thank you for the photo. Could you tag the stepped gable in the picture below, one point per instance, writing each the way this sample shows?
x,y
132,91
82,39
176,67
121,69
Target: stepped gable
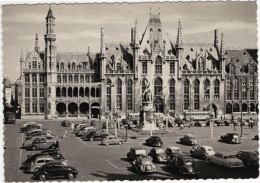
x,y
120,52
241,59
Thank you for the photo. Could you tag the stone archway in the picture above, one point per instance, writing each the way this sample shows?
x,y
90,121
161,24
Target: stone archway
x,y
95,110
158,103
61,109
73,109
84,108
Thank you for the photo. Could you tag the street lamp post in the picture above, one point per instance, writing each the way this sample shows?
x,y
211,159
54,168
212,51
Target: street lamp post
x,y
115,116
241,123
107,113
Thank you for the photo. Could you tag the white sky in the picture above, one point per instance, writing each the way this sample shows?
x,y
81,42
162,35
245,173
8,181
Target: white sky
x,y
78,26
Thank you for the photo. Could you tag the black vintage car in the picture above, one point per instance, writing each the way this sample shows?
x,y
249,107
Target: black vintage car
x,y
65,123
154,141
158,155
249,158
26,165
95,135
182,164
232,138
135,152
55,170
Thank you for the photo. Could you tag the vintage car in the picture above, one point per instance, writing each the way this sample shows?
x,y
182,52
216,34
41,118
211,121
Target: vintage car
x,y
188,139
182,164
158,155
84,130
135,152
39,161
225,160
29,123
256,137
78,127
95,135
199,124
39,134
144,165
232,138
249,158
111,140
202,152
65,123
40,143
172,149
31,158
154,141
55,170
29,127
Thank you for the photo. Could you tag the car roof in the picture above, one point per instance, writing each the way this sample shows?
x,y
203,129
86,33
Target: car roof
x,y
207,147
137,148
44,157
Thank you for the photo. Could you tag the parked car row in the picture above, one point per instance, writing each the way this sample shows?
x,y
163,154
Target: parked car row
x,y
49,163
90,133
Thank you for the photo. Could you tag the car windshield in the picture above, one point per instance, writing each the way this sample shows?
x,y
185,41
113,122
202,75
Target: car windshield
x,y
158,151
188,162
146,162
209,149
140,152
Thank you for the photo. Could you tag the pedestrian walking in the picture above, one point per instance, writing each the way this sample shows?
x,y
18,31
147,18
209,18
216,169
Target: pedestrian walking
x,y
234,125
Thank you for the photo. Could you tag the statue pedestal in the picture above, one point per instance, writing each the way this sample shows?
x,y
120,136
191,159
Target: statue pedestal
x,y
147,124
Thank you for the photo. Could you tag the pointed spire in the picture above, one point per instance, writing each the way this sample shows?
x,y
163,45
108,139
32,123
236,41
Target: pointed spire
x,y
222,46
36,48
179,34
150,11
102,49
136,33
21,58
50,14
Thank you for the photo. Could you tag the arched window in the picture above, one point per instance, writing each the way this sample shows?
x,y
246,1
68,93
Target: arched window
x,y
244,88
119,94
61,66
59,78
172,94
158,87
58,92
108,97
186,94
196,94
244,108
34,64
64,78
93,92
207,89
236,88
236,108
34,78
252,107
158,65
70,92
129,94
75,92
86,92
81,78
63,92
216,89
232,69
229,109
81,92
76,78
70,79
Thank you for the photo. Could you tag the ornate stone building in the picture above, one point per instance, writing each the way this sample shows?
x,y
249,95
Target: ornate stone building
x,y
182,77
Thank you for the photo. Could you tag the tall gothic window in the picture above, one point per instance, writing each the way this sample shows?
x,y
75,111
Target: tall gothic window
x,y
229,109
196,95
34,106
172,67
229,91
64,78
172,94
144,67
109,94
232,69
200,64
27,78
76,78
41,107
27,92
87,78
58,92
81,78
59,78
34,78
41,78
41,92
129,94
119,94
34,92
244,88
207,89
186,94
235,107
236,88
158,87
27,107
158,65
61,66
70,79
73,66
216,89
34,65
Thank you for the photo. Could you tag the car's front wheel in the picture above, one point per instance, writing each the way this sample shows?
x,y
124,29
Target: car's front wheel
x,y
42,176
70,176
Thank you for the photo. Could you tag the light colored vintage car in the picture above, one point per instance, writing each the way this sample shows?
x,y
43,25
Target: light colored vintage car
x,y
202,152
40,143
158,155
111,140
172,149
39,161
144,165
225,160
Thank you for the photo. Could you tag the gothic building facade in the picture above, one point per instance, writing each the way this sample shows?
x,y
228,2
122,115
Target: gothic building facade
x,y
182,77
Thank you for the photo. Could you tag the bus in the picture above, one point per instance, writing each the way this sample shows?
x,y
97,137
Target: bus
x,y
198,115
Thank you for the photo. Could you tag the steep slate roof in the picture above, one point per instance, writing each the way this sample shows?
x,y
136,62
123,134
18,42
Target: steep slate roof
x,y
120,51
241,58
